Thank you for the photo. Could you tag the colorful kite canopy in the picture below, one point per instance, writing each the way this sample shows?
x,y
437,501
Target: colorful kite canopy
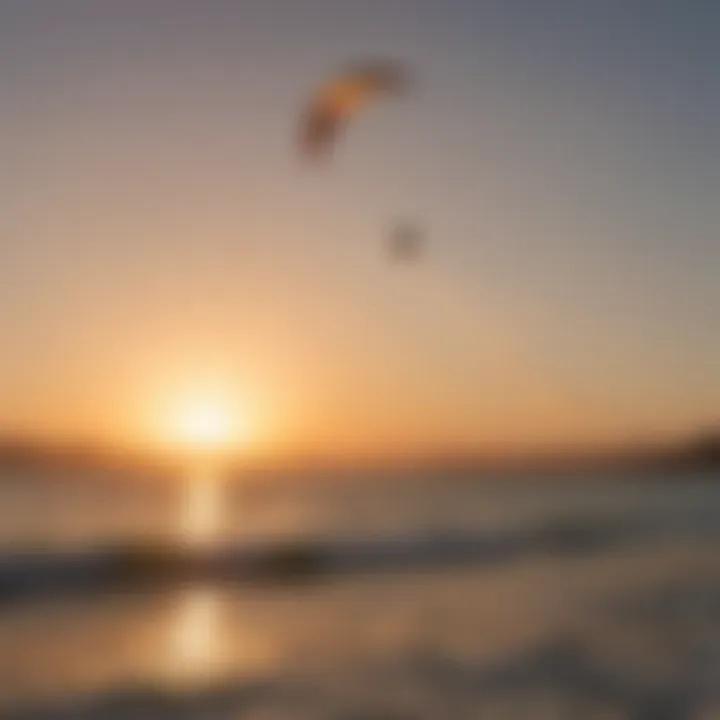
x,y
340,99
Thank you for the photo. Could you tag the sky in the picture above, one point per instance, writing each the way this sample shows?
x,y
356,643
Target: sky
x,y
160,238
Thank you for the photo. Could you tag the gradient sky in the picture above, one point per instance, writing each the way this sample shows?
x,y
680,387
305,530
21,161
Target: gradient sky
x,y
158,235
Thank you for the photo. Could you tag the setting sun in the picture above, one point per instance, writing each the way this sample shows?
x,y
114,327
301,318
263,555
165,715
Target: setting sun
x,y
207,423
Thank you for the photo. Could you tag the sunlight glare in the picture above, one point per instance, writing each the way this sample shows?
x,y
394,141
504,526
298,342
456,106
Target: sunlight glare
x,y
201,512
207,424
196,650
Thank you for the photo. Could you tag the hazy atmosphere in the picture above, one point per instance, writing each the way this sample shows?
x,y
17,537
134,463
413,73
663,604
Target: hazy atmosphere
x,y
161,239
359,359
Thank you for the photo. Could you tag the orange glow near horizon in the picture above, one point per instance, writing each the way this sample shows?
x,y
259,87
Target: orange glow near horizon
x,y
161,237
204,422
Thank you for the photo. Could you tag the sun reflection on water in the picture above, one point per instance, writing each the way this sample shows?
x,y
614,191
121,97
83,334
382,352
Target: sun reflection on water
x,y
201,511
196,652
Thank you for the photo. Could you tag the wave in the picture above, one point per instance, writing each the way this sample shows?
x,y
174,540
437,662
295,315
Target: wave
x,y
130,565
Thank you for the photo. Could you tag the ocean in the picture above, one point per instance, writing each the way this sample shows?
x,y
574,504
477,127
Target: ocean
x,y
383,596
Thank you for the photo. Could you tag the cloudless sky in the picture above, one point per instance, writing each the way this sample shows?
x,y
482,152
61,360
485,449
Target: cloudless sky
x,y
159,235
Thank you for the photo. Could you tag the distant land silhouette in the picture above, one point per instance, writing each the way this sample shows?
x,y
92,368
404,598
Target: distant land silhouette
x,y
703,451
700,452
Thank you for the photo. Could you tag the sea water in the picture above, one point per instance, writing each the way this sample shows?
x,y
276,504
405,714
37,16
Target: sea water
x,y
490,600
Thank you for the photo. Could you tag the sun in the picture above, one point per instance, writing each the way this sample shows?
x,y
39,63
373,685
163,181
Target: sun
x,y
207,424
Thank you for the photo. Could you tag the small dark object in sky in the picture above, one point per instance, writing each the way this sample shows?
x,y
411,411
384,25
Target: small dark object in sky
x,y
405,243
